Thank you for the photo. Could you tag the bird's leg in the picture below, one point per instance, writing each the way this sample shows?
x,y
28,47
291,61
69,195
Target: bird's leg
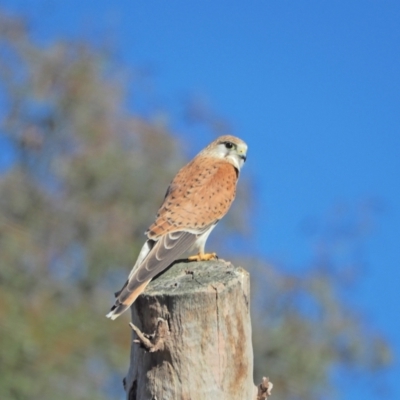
x,y
203,257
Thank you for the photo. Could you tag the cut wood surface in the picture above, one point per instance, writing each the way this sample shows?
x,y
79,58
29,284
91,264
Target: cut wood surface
x,y
192,335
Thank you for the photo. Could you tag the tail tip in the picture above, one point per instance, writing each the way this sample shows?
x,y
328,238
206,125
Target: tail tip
x,y
113,313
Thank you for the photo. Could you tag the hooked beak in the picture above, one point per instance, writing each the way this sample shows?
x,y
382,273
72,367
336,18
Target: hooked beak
x,y
242,152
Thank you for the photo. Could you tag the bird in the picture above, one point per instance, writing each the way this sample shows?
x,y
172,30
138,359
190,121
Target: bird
x,y
197,198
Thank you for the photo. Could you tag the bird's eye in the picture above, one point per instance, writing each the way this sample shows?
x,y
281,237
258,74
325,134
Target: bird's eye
x,y
228,145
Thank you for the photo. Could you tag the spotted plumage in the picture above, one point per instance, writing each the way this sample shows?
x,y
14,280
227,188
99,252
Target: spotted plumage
x,y
201,201
197,198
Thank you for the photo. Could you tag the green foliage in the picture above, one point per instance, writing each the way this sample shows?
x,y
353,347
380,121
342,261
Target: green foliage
x,y
83,187
74,206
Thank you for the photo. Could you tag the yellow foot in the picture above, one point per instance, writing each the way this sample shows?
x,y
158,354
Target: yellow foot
x,y
203,257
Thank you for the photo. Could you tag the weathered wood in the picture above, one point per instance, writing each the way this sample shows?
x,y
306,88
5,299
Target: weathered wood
x,y
201,347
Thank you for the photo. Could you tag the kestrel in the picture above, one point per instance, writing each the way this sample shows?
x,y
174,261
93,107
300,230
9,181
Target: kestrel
x,y
197,198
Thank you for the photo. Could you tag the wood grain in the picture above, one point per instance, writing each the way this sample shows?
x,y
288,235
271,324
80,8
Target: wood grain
x,y
206,350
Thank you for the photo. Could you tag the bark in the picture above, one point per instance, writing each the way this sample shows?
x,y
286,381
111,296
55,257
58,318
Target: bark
x,y
192,336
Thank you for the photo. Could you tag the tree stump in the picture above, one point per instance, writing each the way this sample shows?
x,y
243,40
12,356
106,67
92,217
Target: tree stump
x,y
194,333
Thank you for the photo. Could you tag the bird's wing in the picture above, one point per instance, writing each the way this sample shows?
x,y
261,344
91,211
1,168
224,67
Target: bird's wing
x,y
161,254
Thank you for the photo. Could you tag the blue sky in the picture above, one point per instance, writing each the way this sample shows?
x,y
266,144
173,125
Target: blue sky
x,y
314,89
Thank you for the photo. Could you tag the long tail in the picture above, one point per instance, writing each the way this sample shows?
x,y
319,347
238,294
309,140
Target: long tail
x,y
119,307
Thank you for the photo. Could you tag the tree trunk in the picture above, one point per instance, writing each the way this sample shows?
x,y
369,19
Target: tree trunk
x,y
200,344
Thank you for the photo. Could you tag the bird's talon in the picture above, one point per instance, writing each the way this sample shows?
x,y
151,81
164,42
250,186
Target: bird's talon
x,y
204,257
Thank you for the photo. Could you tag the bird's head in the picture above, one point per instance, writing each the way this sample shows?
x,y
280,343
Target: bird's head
x,y
230,148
